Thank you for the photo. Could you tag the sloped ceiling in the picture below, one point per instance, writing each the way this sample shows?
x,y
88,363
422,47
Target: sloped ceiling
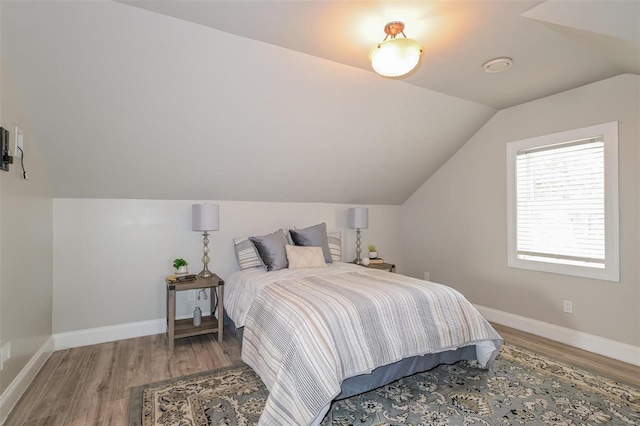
x,y
124,102
458,37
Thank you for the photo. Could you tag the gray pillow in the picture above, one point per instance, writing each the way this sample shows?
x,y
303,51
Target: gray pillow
x,y
271,250
315,236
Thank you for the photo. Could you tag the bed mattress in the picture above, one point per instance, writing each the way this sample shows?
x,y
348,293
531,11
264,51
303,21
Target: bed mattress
x,y
308,331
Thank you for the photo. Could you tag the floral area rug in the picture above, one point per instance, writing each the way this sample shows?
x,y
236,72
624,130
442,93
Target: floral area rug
x,y
521,388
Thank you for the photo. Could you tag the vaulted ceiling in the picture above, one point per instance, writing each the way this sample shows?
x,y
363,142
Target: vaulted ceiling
x,y
275,100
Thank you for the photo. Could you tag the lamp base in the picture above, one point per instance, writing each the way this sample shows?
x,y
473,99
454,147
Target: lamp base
x,y
358,260
205,273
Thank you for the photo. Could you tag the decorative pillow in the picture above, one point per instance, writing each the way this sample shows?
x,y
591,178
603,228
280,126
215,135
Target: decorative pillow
x,y
271,250
313,236
246,254
305,257
335,245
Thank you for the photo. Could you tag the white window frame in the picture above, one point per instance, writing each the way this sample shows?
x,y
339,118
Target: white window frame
x,y
611,270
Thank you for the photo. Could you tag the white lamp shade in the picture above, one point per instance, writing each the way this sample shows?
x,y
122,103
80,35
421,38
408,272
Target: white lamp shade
x,y
395,57
205,217
358,218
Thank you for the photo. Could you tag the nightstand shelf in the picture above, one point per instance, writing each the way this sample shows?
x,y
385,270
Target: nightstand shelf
x,y
177,329
185,327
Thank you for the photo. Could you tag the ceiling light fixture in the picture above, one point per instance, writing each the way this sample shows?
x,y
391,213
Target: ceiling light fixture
x,y
497,65
397,56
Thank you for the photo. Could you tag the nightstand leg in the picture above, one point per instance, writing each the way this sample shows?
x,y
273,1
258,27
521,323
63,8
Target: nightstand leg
x,y
220,312
171,316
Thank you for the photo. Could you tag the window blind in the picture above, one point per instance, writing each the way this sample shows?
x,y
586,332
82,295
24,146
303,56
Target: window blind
x,y
560,203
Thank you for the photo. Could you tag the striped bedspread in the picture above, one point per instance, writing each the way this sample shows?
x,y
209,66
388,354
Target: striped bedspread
x,y
304,336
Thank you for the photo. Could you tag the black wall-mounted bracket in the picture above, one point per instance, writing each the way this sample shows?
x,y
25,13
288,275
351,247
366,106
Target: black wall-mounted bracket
x,y
5,158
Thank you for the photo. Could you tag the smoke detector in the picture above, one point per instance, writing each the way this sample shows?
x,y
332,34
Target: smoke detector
x,y
497,65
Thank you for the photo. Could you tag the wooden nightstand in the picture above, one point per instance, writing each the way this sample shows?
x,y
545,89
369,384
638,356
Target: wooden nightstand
x,y
384,266
185,327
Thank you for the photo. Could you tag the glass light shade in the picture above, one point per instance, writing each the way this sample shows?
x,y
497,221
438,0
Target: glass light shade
x,y
395,57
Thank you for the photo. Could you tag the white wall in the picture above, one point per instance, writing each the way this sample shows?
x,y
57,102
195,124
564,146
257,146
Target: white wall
x,y
210,122
111,256
455,225
26,250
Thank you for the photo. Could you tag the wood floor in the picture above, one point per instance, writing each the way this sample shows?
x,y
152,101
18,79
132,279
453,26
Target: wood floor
x,y
90,385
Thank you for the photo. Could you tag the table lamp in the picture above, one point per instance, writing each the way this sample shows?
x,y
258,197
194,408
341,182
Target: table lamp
x,y
358,219
205,218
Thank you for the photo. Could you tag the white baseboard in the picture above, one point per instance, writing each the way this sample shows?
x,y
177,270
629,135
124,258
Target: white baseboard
x,y
93,336
19,385
589,342
111,333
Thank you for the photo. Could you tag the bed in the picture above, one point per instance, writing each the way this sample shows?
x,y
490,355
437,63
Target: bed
x,y
315,335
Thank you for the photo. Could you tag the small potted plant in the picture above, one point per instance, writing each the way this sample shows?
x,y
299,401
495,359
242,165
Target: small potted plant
x,y
181,266
373,252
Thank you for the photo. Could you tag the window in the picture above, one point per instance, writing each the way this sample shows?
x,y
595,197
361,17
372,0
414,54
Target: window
x,y
563,203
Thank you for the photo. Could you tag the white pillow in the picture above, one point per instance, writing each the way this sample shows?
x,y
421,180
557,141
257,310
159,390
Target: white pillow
x,y
300,257
335,245
246,254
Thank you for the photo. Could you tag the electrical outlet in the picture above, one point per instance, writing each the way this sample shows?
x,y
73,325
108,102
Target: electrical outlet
x,y
568,306
192,295
426,276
